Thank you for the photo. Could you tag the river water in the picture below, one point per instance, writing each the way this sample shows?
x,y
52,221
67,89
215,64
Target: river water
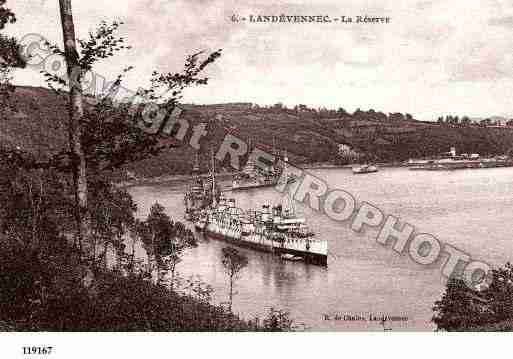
x,y
469,209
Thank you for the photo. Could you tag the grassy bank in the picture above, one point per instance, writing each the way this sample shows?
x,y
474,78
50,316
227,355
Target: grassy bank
x,y
50,290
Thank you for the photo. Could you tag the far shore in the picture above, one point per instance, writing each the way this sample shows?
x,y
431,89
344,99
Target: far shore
x,y
181,179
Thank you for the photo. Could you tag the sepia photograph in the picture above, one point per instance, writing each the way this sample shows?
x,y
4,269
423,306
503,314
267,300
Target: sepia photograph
x,y
311,167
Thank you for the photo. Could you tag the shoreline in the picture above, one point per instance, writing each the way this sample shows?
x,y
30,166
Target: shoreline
x,y
183,178
180,179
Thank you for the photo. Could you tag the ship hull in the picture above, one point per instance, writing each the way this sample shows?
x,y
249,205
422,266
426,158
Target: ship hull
x,y
459,166
308,257
365,170
245,186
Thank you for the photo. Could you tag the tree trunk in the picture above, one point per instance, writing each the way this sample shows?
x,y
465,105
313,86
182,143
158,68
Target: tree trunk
x,y
76,113
156,260
172,284
94,237
231,292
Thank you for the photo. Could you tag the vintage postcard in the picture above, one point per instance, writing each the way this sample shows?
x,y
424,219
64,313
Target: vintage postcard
x,y
255,166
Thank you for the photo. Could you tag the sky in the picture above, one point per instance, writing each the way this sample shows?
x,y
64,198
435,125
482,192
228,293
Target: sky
x,y
434,57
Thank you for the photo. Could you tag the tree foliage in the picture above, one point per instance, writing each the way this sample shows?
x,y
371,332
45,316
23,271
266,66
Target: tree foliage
x,y
233,263
462,308
164,242
6,15
277,321
9,58
113,133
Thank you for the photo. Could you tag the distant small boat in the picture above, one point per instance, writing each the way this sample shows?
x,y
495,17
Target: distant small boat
x,y
365,169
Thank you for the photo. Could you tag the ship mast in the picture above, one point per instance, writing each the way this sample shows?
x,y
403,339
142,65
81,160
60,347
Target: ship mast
x,y
249,162
290,200
272,168
285,161
249,168
196,165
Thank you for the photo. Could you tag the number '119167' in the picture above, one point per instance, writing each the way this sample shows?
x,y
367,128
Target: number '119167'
x,y
37,350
